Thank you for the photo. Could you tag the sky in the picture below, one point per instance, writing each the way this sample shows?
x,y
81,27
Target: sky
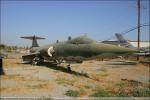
x,y
56,20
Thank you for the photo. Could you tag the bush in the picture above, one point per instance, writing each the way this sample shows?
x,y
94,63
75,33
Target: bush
x,y
100,93
143,92
72,93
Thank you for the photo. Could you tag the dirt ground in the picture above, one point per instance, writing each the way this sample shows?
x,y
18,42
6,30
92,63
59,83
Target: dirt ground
x,y
46,80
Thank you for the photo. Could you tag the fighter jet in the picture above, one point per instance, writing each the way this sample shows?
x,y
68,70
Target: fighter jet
x,y
144,51
81,46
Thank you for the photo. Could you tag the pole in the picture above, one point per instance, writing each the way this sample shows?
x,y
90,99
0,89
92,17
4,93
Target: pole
x,y
138,6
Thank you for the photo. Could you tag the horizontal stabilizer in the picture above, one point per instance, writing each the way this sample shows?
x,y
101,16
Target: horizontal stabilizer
x,y
34,40
32,37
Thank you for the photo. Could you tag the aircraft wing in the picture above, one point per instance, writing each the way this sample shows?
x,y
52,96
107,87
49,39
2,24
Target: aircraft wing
x,y
30,57
141,54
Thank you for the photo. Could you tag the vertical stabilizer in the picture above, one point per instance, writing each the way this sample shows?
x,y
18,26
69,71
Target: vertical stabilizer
x,y
123,41
34,40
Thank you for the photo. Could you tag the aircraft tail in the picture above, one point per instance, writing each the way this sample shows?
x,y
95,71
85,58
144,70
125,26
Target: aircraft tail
x,y
34,40
123,41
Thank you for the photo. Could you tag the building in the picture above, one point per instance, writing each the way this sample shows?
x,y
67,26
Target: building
x,y
134,43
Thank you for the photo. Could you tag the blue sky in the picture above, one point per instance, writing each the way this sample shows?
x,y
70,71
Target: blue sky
x,y
54,20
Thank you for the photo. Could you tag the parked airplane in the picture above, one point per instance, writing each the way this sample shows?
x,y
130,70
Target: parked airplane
x,y
81,46
123,42
145,51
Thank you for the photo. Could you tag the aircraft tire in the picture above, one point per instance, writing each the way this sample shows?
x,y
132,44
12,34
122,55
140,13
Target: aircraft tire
x,y
35,61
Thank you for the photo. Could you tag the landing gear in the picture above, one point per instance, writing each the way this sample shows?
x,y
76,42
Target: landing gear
x,y
69,68
58,61
37,60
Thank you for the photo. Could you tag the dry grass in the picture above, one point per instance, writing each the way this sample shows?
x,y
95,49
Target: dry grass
x,y
66,81
25,85
12,77
16,90
99,83
127,88
42,85
12,63
77,93
99,76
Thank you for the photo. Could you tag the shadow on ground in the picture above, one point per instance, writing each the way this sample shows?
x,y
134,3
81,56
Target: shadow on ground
x,y
122,63
62,69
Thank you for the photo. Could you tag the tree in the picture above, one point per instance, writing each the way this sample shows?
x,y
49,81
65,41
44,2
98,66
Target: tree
x,y
2,46
69,38
57,41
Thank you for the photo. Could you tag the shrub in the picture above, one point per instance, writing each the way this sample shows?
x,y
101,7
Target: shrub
x,y
142,92
72,93
100,93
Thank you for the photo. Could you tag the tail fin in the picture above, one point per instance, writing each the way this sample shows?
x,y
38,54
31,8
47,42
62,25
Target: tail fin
x,y
123,41
34,40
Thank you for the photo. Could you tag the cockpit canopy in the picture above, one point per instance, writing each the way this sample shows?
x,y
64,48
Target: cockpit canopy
x,y
81,40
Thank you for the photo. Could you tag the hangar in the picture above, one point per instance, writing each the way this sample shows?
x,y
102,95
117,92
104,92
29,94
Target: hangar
x,y
134,43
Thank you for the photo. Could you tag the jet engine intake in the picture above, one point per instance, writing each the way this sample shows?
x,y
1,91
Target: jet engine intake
x,y
50,51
